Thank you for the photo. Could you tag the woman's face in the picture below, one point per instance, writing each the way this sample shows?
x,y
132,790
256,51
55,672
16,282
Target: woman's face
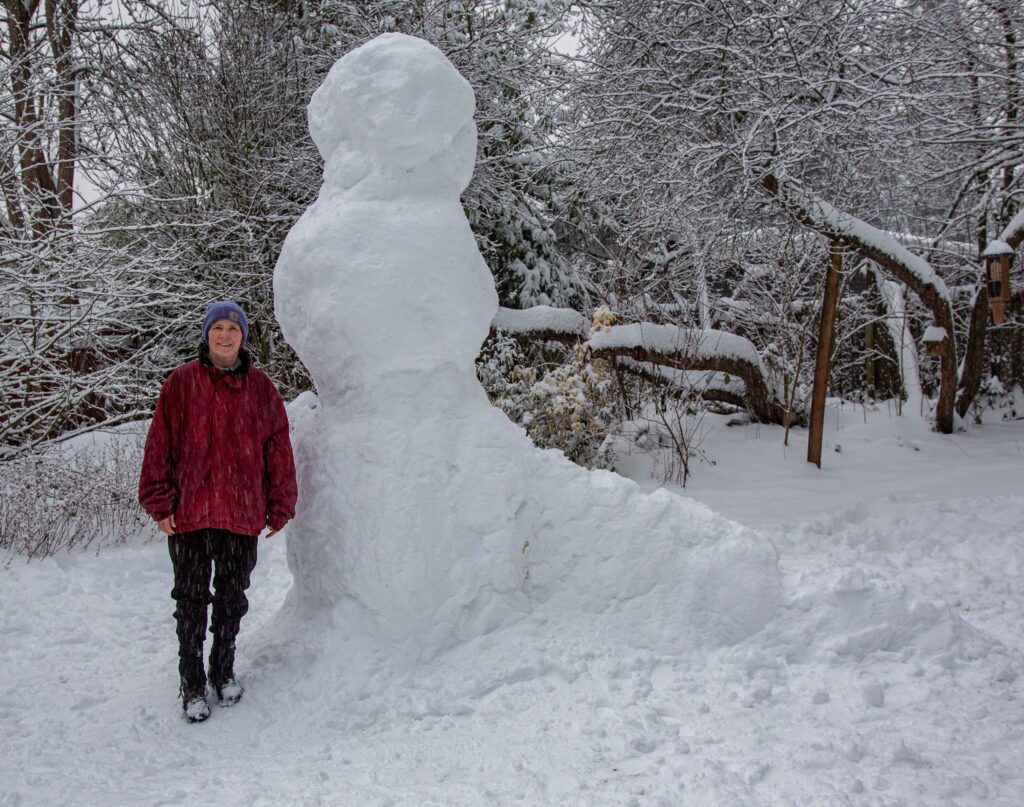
x,y
224,340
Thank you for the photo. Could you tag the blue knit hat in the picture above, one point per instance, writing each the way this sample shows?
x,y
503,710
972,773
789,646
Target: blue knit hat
x,y
225,310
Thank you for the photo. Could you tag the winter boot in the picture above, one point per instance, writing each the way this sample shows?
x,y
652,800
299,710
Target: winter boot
x,y
193,702
222,662
229,691
193,688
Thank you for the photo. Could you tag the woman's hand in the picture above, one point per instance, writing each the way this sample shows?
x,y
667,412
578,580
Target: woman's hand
x,y
167,525
271,532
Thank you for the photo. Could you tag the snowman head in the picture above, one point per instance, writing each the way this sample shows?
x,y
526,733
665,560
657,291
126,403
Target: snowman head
x,y
395,115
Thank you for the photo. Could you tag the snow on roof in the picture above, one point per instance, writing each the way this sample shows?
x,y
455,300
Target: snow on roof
x,y
541,318
844,223
669,339
996,248
934,334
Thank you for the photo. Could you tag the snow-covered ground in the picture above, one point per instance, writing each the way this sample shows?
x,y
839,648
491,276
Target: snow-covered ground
x,y
889,677
477,622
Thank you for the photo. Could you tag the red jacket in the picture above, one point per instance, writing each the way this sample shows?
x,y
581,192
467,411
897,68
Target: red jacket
x,y
218,454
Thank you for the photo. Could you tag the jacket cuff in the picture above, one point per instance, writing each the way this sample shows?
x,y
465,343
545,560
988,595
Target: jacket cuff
x,y
276,522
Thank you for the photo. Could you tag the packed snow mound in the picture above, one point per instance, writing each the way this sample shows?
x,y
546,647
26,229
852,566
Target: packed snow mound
x,y
424,514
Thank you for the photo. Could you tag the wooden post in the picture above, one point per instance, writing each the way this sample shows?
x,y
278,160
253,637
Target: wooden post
x,y
869,362
823,364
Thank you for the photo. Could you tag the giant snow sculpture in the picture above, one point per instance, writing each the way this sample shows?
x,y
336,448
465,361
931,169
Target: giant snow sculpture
x,y
424,514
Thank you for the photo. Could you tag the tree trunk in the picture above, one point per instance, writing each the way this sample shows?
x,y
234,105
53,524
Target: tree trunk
x,y
974,352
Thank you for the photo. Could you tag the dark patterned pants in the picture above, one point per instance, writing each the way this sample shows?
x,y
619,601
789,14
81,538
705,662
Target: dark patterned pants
x,y
232,558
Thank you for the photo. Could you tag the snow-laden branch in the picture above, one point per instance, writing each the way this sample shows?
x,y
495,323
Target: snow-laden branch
x,y
650,345
871,242
670,340
1013,233
693,349
891,256
543,323
711,386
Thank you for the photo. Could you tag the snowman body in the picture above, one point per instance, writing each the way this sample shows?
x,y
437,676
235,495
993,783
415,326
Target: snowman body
x,y
424,514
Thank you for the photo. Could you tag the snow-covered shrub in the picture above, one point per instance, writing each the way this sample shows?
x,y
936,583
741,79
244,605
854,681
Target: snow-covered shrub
x,y
506,374
571,408
997,401
567,405
680,418
668,426
71,499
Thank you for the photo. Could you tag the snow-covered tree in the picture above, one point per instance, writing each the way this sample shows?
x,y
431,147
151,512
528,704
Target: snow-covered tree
x,y
689,111
199,150
64,293
207,149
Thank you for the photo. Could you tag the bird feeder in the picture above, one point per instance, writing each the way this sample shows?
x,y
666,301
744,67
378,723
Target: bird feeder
x,y
934,339
998,257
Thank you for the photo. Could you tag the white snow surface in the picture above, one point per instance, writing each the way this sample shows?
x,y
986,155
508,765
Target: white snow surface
x,y
669,339
541,318
934,333
459,619
889,676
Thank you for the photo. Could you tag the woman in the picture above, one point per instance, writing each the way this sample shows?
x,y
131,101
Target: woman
x,y
217,469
